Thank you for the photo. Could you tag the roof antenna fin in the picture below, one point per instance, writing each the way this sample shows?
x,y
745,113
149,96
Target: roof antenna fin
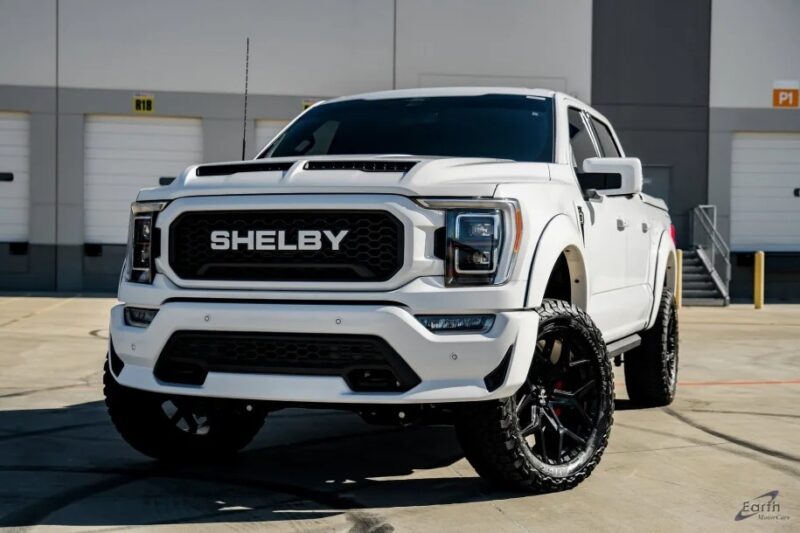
x,y
246,76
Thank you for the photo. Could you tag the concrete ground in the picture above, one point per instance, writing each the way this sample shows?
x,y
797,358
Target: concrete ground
x,y
733,434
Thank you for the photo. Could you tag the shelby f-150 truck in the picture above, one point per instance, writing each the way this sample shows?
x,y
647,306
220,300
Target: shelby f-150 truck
x,y
469,256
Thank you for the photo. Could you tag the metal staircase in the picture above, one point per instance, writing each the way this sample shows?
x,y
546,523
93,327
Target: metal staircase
x,y
706,266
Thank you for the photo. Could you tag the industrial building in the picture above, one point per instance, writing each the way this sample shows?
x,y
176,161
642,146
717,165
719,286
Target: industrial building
x,y
99,98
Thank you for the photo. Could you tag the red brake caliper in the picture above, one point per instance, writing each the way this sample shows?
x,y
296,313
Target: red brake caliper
x,y
558,385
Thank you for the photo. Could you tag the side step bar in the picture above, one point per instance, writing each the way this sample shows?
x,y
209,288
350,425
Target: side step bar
x,y
623,345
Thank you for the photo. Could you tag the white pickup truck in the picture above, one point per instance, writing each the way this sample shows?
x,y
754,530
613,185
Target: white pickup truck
x,y
473,256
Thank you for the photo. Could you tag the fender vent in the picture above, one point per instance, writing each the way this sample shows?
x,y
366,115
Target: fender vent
x,y
235,168
363,166
496,377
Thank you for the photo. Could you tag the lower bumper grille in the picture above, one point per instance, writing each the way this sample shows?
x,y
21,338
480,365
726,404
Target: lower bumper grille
x,y
366,362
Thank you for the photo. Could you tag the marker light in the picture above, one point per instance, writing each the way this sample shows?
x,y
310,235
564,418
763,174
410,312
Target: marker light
x,y
457,323
139,317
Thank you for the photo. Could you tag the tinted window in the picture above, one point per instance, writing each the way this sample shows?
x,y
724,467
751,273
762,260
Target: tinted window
x,y
605,139
497,126
579,138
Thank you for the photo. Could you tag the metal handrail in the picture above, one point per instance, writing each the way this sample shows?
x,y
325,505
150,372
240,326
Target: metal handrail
x,y
707,238
711,228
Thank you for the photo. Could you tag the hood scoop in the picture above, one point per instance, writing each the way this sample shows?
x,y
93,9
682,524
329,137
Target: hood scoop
x,y
363,166
235,168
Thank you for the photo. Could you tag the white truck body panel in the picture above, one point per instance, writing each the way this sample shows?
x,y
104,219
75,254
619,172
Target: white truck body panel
x,y
429,177
615,248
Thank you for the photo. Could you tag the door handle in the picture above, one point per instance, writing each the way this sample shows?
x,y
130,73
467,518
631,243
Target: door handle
x,y
645,227
622,224
797,193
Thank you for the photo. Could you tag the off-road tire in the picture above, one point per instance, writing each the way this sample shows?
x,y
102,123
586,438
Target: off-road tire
x,y
490,432
649,378
141,420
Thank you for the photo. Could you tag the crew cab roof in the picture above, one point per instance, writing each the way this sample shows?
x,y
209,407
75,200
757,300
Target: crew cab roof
x,y
445,91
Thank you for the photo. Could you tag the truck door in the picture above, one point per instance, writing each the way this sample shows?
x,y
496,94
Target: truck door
x,y
635,216
605,242
605,246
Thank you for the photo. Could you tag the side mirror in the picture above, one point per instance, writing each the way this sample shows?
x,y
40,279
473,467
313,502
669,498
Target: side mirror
x,y
612,176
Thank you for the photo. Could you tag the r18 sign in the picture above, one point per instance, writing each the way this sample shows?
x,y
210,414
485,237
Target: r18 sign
x,y
144,103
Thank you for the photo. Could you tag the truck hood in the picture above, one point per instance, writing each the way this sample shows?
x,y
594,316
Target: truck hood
x,y
427,176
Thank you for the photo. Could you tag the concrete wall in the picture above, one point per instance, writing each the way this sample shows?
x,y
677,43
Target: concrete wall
x,y
28,42
56,258
753,44
36,267
28,57
650,75
297,48
190,55
652,67
545,43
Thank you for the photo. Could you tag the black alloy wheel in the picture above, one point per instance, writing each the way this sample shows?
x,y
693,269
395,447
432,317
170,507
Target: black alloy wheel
x,y
552,432
558,406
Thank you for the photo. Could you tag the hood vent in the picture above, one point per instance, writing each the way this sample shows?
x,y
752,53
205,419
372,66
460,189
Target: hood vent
x,y
363,166
235,168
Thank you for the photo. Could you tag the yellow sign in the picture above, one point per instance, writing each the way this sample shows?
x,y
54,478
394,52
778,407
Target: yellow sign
x,y
144,103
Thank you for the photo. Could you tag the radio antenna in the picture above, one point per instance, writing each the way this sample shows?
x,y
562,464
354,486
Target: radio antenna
x,y
246,76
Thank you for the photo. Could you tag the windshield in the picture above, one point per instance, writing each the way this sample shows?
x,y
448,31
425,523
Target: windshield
x,y
500,126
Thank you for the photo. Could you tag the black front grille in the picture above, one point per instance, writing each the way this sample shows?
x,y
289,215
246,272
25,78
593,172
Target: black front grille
x,y
372,250
366,362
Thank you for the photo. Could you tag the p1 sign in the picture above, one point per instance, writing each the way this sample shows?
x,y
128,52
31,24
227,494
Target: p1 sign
x,y
786,93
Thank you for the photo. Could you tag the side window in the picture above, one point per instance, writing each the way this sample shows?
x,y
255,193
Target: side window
x,y
579,138
605,139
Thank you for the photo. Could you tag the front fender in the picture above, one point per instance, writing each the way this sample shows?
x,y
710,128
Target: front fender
x,y
560,236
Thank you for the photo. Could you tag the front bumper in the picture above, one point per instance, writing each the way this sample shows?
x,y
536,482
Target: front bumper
x,y
452,367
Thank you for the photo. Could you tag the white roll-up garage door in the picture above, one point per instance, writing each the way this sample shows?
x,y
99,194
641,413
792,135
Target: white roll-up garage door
x,y
765,193
266,130
14,181
124,154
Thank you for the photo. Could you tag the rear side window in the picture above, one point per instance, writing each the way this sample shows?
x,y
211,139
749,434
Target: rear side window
x,y
605,139
579,138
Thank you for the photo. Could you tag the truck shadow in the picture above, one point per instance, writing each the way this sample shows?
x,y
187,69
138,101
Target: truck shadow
x,y
68,467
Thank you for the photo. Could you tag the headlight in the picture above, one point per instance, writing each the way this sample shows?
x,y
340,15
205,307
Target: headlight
x,y
482,239
143,242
